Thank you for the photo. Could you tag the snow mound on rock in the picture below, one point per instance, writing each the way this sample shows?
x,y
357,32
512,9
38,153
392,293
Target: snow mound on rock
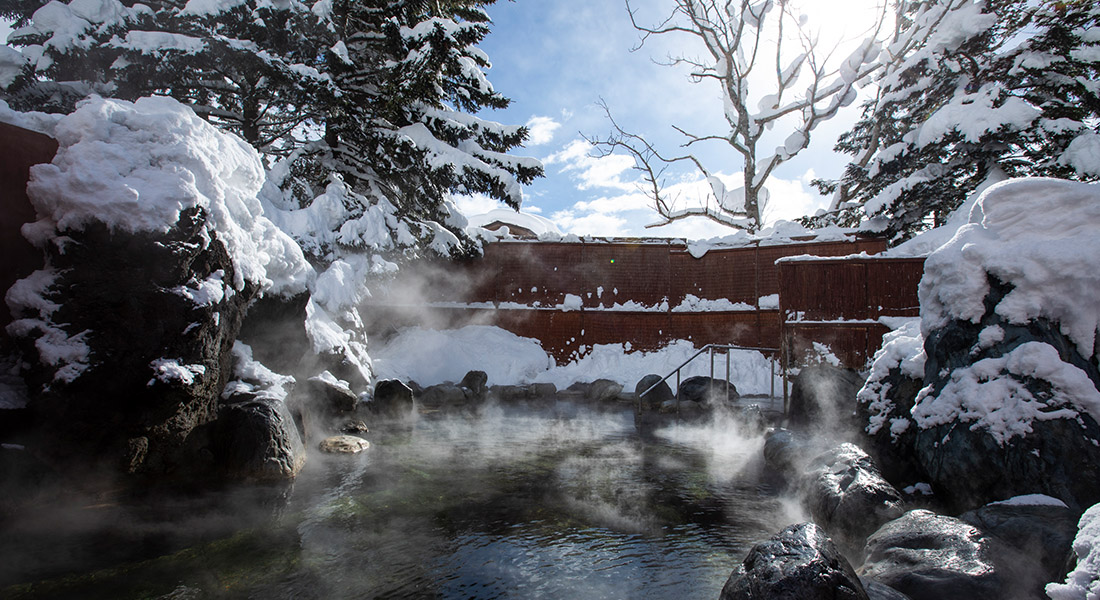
x,y
135,167
1037,235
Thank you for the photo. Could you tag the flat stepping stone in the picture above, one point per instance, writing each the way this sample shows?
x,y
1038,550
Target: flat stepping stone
x,y
344,444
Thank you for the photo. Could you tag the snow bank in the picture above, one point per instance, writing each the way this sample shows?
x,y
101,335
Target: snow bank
x,y
1039,236
1083,582
429,357
136,166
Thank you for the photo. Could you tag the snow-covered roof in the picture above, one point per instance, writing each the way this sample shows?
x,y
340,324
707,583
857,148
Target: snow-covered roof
x,y
537,225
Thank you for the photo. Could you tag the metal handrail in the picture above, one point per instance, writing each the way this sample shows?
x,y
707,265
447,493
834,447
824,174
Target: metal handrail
x,y
710,348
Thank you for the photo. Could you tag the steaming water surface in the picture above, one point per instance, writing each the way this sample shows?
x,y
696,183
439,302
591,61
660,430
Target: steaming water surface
x,y
555,503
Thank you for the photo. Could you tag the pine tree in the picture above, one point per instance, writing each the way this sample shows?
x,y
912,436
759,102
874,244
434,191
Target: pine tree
x,y
401,129
250,67
956,114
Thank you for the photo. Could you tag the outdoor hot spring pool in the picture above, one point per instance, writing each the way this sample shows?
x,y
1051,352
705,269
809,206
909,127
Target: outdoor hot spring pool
x,y
558,502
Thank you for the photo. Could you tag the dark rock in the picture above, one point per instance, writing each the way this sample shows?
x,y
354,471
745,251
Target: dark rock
x,y
931,557
509,393
846,495
25,481
878,591
655,398
785,451
603,390
798,563
157,361
255,439
1042,533
543,390
752,418
1057,457
476,381
894,452
392,399
706,390
579,387
274,328
329,396
343,444
823,399
443,395
354,426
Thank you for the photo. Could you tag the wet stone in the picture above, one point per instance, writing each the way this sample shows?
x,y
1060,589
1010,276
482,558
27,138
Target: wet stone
x,y
344,444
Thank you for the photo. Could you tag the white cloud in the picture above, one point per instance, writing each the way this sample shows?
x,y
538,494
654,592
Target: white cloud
x,y
541,130
628,214
592,171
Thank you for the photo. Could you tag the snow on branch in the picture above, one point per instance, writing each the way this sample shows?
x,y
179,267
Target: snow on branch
x,y
806,86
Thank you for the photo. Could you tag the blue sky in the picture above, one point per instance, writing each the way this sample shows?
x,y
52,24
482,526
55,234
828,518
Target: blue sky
x,y
556,59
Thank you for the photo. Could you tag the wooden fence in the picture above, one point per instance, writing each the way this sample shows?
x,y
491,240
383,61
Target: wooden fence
x,y
523,287
840,304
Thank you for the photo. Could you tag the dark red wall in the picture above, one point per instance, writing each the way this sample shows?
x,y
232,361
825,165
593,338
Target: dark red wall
x,y
649,273
838,303
19,149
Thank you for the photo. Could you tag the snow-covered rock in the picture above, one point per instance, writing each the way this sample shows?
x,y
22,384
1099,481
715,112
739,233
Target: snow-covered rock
x,y
155,245
1008,348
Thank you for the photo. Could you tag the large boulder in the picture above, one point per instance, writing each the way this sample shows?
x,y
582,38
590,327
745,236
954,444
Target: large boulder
x,y
603,390
393,399
256,440
1038,527
145,362
931,557
658,395
155,244
476,382
823,400
1033,436
798,563
1012,375
846,495
704,390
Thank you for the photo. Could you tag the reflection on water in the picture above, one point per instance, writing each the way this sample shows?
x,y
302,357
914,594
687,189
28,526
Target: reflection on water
x,y
563,503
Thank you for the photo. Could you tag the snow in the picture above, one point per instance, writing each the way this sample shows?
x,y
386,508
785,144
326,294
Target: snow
x,y
1083,154
990,395
926,242
1037,235
251,377
34,312
429,357
1031,500
169,370
208,292
136,166
974,115
778,234
571,302
693,303
902,348
769,302
1083,582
